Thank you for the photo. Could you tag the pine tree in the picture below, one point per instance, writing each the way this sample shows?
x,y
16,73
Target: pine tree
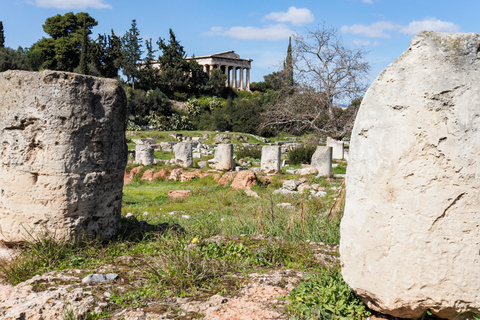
x,y
148,74
2,36
131,53
174,75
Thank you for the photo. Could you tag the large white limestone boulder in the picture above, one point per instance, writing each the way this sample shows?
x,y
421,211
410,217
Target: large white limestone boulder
x,y
410,235
62,155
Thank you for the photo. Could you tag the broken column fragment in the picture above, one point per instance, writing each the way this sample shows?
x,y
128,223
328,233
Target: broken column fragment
x,y
62,155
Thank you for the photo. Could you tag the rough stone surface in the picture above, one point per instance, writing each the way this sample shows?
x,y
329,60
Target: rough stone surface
x,y
411,228
322,161
226,178
244,180
62,154
224,157
184,154
144,154
271,159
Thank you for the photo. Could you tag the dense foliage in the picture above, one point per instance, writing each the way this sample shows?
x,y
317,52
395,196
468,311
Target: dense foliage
x,y
167,90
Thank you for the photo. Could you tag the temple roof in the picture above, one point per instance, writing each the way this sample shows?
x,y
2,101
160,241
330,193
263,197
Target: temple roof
x,y
226,54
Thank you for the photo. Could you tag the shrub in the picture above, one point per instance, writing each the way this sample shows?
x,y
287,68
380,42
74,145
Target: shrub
x,y
249,152
301,154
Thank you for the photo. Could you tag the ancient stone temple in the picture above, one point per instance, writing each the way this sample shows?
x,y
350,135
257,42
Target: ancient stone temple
x,y
231,64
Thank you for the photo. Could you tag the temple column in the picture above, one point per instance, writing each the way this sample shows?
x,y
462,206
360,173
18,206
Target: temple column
x,y
228,76
248,80
205,68
234,77
242,87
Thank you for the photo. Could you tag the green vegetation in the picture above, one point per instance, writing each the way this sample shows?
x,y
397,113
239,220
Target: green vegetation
x,y
326,296
301,154
175,254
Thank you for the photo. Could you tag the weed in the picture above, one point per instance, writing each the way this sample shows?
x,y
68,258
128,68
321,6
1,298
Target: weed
x,y
325,296
184,269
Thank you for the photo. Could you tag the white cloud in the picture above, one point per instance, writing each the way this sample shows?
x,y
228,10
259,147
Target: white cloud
x,y
365,43
383,29
375,30
270,33
296,16
71,4
430,24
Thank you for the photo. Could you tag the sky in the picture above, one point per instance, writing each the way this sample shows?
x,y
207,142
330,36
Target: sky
x,y
254,29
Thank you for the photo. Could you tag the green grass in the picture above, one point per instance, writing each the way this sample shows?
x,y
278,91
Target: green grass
x,y
190,264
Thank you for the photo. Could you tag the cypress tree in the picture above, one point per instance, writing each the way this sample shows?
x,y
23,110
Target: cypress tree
x,y
2,36
288,65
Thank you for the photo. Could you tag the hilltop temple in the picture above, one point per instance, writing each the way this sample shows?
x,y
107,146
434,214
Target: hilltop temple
x,y
231,64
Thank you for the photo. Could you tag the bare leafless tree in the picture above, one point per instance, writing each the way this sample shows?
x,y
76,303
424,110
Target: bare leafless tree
x,y
327,73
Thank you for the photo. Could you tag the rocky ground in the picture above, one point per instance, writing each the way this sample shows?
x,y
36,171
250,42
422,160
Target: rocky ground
x,y
54,294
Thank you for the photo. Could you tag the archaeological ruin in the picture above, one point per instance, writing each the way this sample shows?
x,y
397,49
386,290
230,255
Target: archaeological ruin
x,y
62,157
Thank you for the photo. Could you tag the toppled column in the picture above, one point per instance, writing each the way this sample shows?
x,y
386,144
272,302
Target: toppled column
x,y
322,161
144,154
271,159
337,148
62,155
183,154
411,227
224,157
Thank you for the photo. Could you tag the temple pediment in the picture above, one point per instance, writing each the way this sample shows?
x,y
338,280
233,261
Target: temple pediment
x,y
226,54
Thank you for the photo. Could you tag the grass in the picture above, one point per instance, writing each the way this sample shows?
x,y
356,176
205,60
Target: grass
x,y
183,261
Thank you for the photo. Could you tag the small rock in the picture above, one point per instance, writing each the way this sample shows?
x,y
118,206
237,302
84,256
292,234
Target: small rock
x,y
95,277
178,193
285,205
111,276
252,193
291,185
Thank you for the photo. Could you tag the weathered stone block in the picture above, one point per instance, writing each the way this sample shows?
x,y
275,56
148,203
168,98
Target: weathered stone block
x,y
322,161
62,155
144,154
224,157
410,234
338,148
271,159
184,154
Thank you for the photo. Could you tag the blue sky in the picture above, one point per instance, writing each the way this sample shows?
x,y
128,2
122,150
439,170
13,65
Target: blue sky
x,y
259,29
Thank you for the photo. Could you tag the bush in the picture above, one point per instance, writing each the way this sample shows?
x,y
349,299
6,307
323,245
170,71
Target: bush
x,y
302,154
249,152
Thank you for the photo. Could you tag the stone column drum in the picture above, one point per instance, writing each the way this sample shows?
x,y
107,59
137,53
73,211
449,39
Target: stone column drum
x,y
271,159
144,154
337,148
62,155
224,157
322,161
184,154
